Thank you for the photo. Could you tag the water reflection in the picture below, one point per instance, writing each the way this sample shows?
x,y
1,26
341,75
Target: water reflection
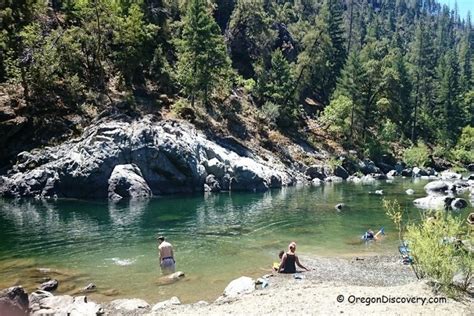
x,y
217,236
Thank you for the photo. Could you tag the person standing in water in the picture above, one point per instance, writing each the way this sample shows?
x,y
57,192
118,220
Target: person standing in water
x,y
290,260
165,250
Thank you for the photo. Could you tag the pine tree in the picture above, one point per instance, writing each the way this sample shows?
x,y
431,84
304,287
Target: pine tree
x,y
423,61
203,65
448,111
320,64
275,83
352,79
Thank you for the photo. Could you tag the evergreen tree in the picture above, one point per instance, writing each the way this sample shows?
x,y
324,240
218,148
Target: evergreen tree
x,y
353,77
275,83
448,112
320,64
203,65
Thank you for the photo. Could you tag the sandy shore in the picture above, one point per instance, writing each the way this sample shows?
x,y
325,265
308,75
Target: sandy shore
x,y
339,286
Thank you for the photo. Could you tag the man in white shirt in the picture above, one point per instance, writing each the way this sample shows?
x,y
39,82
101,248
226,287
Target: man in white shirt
x,y
165,250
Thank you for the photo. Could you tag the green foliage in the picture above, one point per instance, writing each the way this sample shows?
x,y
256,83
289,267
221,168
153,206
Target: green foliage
x,y
203,66
436,247
251,26
394,211
389,132
132,39
336,116
464,149
417,156
270,112
275,84
435,244
247,84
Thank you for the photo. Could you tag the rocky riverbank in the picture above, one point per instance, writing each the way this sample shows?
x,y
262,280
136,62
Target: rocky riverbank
x,y
310,292
120,156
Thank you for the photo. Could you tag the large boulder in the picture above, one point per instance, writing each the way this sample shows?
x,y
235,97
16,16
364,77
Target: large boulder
x,y
36,296
316,172
67,305
418,172
126,181
120,156
458,203
448,175
367,166
339,171
437,187
14,301
237,287
433,202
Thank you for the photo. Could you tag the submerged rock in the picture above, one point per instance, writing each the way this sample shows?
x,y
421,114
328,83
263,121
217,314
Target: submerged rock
x,y
49,286
91,287
410,192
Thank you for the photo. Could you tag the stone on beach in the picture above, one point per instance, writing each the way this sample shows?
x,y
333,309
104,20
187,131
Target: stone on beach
x,y
242,285
14,301
166,304
127,305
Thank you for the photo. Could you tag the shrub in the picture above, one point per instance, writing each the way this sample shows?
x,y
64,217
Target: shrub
x,y
270,112
435,244
336,115
464,149
437,250
417,156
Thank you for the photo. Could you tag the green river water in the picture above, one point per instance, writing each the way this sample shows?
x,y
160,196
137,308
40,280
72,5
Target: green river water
x,y
217,237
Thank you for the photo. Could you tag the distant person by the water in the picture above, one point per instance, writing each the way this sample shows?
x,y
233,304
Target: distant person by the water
x,y
370,235
276,265
167,262
290,260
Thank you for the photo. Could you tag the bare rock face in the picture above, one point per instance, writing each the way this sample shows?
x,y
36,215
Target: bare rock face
x,y
123,157
127,181
14,302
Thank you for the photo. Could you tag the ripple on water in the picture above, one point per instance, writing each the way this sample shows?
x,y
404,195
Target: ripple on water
x,y
122,262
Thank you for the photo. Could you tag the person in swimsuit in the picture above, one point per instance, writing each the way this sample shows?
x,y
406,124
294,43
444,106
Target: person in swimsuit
x,y
165,250
290,260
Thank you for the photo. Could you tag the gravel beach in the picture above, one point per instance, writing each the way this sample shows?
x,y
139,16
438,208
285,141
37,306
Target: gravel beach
x,y
354,286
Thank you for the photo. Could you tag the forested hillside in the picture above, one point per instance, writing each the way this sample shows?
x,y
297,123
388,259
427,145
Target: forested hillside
x,y
377,76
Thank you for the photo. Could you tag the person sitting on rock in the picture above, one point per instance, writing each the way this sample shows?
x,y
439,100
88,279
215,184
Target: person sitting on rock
x,y
290,260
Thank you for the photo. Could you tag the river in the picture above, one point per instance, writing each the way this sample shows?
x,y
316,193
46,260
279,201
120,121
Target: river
x,y
217,237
